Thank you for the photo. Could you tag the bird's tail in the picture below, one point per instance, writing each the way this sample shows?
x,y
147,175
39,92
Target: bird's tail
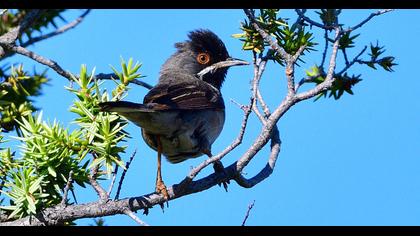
x,y
123,107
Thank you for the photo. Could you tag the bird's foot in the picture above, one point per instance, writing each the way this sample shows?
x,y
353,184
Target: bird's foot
x,y
161,189
219,169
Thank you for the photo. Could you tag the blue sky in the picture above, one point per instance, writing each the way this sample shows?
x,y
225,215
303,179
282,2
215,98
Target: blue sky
x,y
349,162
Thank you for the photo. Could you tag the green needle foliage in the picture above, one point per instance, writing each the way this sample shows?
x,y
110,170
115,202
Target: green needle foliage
x,y
296,36
16,92
49,152
289,38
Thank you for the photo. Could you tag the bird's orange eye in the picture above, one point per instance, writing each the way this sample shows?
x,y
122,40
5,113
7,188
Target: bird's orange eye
x,y
203,58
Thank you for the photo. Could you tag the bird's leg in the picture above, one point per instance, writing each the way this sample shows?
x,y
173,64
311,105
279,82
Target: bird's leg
x,y
160,186
218,168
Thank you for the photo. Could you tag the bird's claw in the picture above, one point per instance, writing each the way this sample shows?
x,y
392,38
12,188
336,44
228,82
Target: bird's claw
x,y
219,169
161,189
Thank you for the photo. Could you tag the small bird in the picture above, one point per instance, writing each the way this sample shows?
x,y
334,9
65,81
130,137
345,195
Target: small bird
x,y
184,113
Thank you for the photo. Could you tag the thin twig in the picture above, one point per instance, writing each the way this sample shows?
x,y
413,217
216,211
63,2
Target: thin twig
x,y
380,12
133,216
324,54
66,189
40,59
3,11
312,22
250,206
258,63
98,188
350,64
346,59
260,99
194,172
2,181
103,196
329,79
127,165
61,30
241,106
114,177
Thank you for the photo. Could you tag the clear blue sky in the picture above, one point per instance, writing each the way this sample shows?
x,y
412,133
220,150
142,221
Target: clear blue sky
x,y
349,162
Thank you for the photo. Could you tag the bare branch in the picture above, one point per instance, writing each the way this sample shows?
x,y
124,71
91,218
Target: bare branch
x,y
346,60
66,189
269,167
40,59
380,12
250,206
133,216
301,14
103,195
259,66
114,177
57,68
61,30
350,64
127,165
112,76
13,34
261,101
194,172
306,80
324,54
298,53
329,77
55,215
290,71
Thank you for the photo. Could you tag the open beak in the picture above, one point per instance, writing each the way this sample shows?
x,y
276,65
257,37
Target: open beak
x,y
227,63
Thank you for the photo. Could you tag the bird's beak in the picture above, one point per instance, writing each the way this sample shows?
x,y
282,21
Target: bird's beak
x,y
227,63
232,62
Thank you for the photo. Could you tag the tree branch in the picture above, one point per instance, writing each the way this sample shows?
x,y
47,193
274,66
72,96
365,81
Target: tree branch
x,y
40,59
250,206
13,34
133,216
114,178
127,165
61,30
350,64
103,195
329,78
301,14
194,172
324,54
274,45
380,12
56,215
66,189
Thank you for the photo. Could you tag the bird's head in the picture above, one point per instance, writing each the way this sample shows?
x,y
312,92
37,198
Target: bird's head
x,y
203,55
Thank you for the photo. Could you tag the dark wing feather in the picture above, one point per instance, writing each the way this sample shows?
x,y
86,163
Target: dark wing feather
x,y
187,95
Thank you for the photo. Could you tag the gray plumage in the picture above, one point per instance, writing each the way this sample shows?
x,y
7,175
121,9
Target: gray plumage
x,y
185,112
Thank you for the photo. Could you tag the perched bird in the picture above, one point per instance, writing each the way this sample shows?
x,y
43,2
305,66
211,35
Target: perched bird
x,y
184,113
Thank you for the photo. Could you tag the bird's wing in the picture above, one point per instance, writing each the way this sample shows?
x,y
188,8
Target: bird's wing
x,y
188,95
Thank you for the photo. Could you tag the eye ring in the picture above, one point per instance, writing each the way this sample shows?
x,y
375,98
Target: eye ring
x,y
203,58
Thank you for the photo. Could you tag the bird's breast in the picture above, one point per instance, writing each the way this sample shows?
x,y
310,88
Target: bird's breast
x,y
187,134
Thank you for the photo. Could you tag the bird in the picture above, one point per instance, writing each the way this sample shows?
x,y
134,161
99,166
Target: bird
x,y
184,113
